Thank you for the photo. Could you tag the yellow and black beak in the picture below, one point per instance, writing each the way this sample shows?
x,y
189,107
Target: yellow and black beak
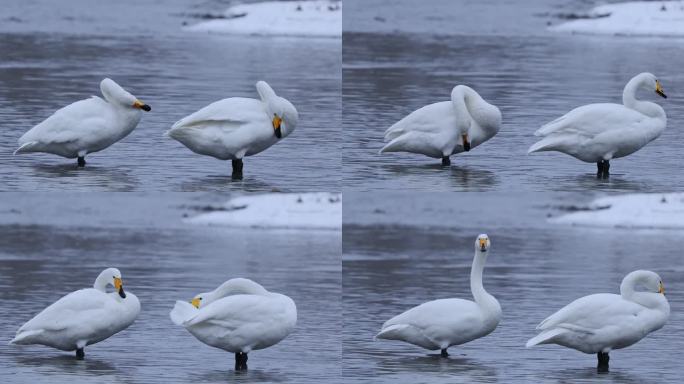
x,y
659,90
118,285
195,302
276,126
140,105
483,244
661,288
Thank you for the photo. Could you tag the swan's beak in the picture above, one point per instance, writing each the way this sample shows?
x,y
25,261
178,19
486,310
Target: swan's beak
x,y
661,288
140,105
276,126
483,244
195,302
118,285
659,90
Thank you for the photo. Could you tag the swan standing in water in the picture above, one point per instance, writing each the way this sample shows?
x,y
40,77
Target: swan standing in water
x,y
439,324
237,127
442,129
86,126
83,317
597,133
239,316
602,322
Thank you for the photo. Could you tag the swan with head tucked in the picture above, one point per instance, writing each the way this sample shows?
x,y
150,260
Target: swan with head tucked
x,y
86,126
597,133
233,128
439,324
445,128
239,316
83,317
602,322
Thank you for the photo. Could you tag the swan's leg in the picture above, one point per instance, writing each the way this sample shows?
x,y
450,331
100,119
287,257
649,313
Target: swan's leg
x,y
603,359
606,168
444,353
599,169
80,354
81,161
466,143
237,169
602,169
240,361
446,160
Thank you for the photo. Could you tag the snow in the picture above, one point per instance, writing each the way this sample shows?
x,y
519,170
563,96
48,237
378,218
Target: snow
x,y
638,211
638,18
318,18
278,211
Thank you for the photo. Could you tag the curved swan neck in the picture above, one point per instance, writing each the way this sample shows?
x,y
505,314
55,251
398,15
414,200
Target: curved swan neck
x,y
628,290
461,98
238,286
101,282
629,99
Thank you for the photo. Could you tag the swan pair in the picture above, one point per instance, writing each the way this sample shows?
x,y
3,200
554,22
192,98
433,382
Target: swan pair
x,y
596,323
594,133
231,128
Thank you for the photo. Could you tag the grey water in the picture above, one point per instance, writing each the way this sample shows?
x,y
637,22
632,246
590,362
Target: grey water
x,y
398,57
49,248
53,53
403,249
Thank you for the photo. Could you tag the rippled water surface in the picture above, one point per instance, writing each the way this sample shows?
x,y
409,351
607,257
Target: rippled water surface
x,y
52,54
398,57
401,250
49,248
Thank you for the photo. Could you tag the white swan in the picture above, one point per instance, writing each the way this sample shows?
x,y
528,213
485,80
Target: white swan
x,y
86,126
439,324
83,317
602,322
237,127
239,316
442,129
597,133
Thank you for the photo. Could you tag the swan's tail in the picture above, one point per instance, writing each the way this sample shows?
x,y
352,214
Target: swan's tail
x,y
25,336
546,144
182,312
26,147
545,337
391,332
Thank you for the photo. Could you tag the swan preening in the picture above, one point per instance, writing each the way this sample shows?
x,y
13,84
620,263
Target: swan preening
x,y
83,317
439,324
86,126
233,128
445,128
239,316
597,133
602,322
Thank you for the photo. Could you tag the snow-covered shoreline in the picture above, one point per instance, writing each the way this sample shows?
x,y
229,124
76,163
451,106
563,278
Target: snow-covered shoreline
x,y
637,18
636,211
320,211
316,18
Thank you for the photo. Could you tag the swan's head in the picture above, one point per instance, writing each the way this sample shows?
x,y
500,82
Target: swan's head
x,y
283,114
110,277
203,299
114,94
482,243
647,281
649,82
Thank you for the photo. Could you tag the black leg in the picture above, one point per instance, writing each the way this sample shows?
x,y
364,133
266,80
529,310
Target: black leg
x,y
603,359
446,160
466,143
237,169
599,169
240,361
603,168
81,161
80,354
445,353
606,169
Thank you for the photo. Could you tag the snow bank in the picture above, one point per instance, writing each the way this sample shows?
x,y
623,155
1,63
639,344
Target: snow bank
x,y
639,18
278,210
319,18
642,211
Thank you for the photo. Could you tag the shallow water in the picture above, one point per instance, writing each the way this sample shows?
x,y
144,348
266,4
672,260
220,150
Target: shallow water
x,y
49,248
400,250
417,54
52,56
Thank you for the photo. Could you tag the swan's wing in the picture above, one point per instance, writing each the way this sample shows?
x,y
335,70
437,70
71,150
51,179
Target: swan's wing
x,y
234,311
591,120
70,311
432,118
233,112
439,314
590,313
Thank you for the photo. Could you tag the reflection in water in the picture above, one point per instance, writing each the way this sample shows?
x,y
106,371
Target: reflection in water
x,y
463,178
92,176
68,364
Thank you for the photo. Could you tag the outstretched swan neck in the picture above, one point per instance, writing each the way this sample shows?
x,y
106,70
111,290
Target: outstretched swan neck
x,y
482,298
629,99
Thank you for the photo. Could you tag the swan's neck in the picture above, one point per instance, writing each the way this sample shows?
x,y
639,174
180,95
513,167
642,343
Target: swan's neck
x,y
647,299
629,100
482,298
462,98
101,283
238,286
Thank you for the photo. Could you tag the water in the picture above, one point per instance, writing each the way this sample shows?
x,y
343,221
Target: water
x,y
52,56
417,54
49,248
402,249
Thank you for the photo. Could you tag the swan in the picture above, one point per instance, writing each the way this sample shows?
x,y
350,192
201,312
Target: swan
x,y
83,317
86,126
236,127
597,133
439,324
239,316
442,129
602,322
